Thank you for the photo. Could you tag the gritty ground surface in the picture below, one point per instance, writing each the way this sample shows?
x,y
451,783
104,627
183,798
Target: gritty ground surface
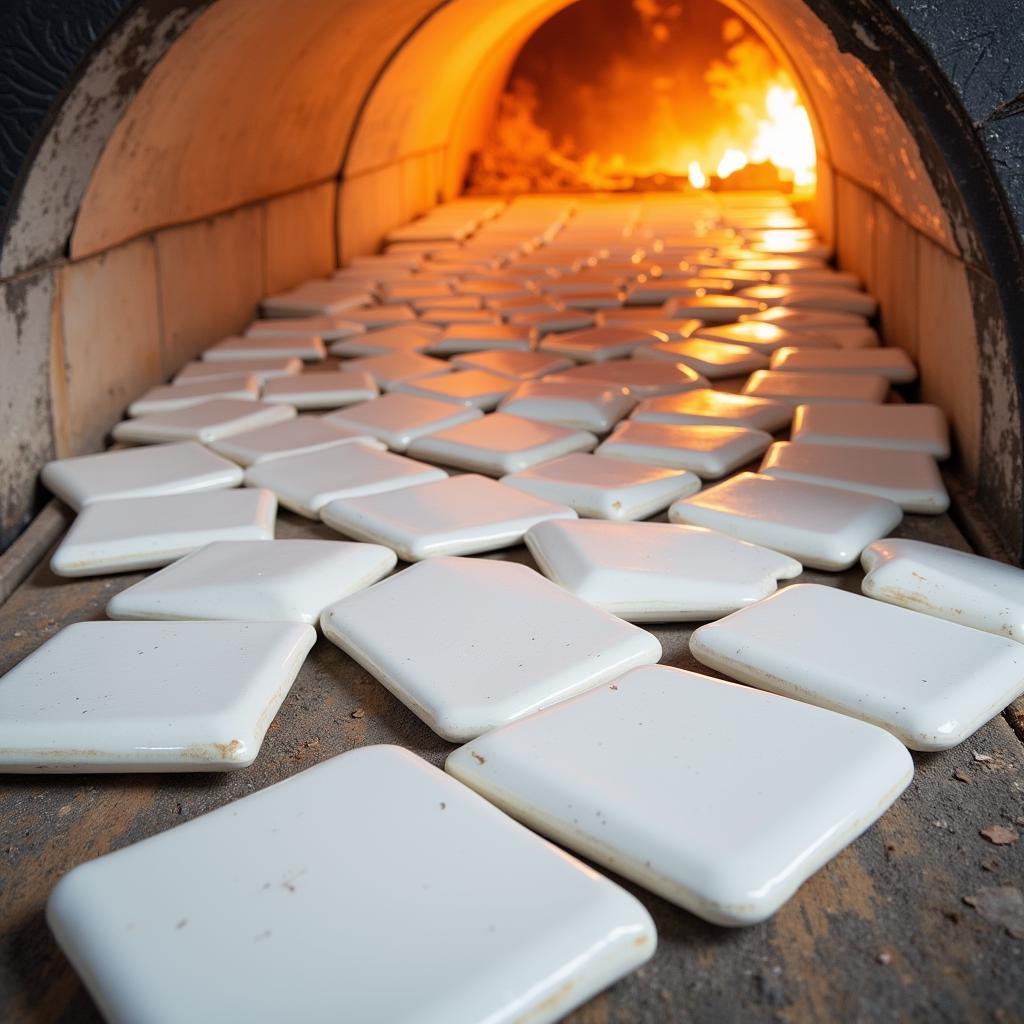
x,y
882,933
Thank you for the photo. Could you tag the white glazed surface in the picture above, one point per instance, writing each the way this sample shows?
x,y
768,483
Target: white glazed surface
x,y
398,419
292,437
207,421
709,407
920,428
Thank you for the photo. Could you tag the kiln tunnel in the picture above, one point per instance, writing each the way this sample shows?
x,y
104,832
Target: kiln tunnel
x,y
209,154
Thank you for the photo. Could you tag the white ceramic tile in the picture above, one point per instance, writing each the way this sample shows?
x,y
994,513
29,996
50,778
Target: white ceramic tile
x,y
293,437
713,359
180,468
597,344
476,388
657,572
592,300
404,338
208,421
553,322
710,451
499,443
660,290
129,534
330,328
377,317
920,428
712,309
446,318
763,337
462,515
643,379
168,397
263,369
808,319
148,696
327,390
317,298
582,405
928,681
605,488
816,388
842,300
523,306
469,644
259,581
305,483
704,405
692,787
530,938
516,365
911,479
892,363
397,367
822,527
671,329
816,277
308,347
460,338
954,585
411,288
397,419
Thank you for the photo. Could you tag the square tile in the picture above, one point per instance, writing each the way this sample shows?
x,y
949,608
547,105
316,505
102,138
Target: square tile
x,y
581,405
533,937
657,572
597,344
816,388
395,368
754,334
707,406
148,696
499,443
398,419
553,321
462,515
822,527
376,317
712,309
605,488
892,363
659,290
476,388
929,682
670,329
317,298
263,369
307,347
168,397
605,774
129,534
911,479
808,319
469,644
205,422
714,359
327,390
293,437
329,328
448,302
405,338
841,300
258,581
916,428
305,483
643,378
445,318
516,365
140,472
533,305
707,450
485,337
954,585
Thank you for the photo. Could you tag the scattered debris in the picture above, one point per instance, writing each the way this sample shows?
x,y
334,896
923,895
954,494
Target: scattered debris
x,y
884,958
1002,905
770,987
983,758
358,713
19,632
999,835
961,775
479,758
989,865
952,915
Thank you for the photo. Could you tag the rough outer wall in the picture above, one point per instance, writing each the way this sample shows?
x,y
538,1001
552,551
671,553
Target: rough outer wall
x,y
70,133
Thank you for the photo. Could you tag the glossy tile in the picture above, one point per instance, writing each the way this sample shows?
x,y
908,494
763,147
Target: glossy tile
x,y
816,388
469,644
461,515
954,585
293,437
892,363
929,682
205,422
499,443
129,534
581,405
485,337
516,365
755,334
375,318
327,390
148,697
475,388
168,397
139,472
263,369
396,368
307,347
259,581
707,450
710,407
532,937
907,427
414,337
398,419
553,321
657,572
694,788
330,328
305,483
712,309
822,527
713,359
317,298
597,344
643,379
